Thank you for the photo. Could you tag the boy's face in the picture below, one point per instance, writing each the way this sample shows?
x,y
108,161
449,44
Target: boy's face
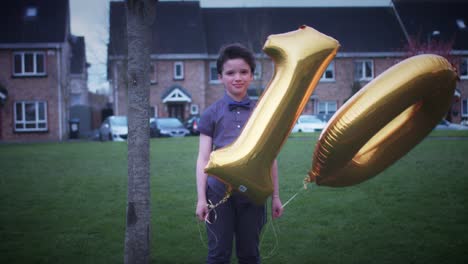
x,y
236,77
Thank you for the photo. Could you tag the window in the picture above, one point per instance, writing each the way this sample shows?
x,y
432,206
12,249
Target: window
x,y
30,12
258,70
464,68
326,107
178,70
194,109
364,70
329,74
153,73
30,116
75,99
213,73
154,111
464,108
29,63
461,24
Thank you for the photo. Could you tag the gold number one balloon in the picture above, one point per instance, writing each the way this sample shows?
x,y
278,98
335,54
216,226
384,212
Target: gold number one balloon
x,y
300,59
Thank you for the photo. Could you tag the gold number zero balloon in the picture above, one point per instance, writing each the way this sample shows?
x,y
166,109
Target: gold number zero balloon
x,y
383,121
300,59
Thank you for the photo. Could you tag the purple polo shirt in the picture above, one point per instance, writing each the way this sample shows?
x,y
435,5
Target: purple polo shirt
x,y
223,126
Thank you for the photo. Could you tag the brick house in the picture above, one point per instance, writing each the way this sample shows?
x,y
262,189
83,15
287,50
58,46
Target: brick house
x,y
35,52
187,38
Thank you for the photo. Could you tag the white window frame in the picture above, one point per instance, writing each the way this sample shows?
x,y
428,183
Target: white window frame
x,y
179,64
327,105
362,64
213,69
330,69
194,109
23,66
464,107
21,120
464,68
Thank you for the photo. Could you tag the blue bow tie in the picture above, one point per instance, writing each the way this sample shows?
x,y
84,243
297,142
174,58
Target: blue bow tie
x,y
234,105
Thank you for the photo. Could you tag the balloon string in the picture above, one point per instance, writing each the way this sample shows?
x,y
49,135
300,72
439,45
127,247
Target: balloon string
x,y
300,190
290,199
212,208
274,228
275,246
200,233
208,230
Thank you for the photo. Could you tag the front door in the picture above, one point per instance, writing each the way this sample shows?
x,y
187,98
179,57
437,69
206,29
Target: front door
x,y
176,110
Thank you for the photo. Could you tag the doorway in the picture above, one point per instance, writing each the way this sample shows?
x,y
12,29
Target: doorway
x,y
176,110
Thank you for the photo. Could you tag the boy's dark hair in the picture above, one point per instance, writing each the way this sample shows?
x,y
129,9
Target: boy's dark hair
x,y
235,51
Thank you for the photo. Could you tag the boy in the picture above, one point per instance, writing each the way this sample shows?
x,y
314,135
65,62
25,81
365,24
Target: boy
x,y
219,126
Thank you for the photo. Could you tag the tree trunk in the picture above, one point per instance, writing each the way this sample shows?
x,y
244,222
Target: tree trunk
x,y
140,16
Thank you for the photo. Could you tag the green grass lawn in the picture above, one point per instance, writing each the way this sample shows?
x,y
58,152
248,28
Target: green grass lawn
x,y
65,203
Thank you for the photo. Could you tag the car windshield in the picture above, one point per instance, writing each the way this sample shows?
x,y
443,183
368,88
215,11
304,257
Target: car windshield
x,y
310,119
119,121
169,122
444,122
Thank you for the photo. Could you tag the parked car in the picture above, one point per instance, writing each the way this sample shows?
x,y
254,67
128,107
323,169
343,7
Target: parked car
x,y
308,123
114,128
192,125
167,127
446,125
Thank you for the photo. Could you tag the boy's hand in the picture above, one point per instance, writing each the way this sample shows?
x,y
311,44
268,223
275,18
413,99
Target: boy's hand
x,y
276,207
201,211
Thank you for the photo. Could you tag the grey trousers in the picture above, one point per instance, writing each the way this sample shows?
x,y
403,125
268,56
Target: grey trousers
x,y
238,219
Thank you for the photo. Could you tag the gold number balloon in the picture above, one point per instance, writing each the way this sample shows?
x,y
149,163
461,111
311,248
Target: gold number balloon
x,y
383,121
300,59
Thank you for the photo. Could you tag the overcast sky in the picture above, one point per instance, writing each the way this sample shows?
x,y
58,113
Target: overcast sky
x,y
89,18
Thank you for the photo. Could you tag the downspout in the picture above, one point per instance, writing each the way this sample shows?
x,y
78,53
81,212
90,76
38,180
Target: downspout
x,y
116,92
59,92
400,22
3,98
1,122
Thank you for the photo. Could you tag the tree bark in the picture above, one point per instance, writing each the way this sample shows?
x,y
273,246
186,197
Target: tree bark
x,y
140,16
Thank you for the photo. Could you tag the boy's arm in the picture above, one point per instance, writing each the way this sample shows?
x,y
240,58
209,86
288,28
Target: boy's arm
x,y
204,151
276,205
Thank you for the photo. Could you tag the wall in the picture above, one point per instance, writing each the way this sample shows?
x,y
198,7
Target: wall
x,y
34,89
204,93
